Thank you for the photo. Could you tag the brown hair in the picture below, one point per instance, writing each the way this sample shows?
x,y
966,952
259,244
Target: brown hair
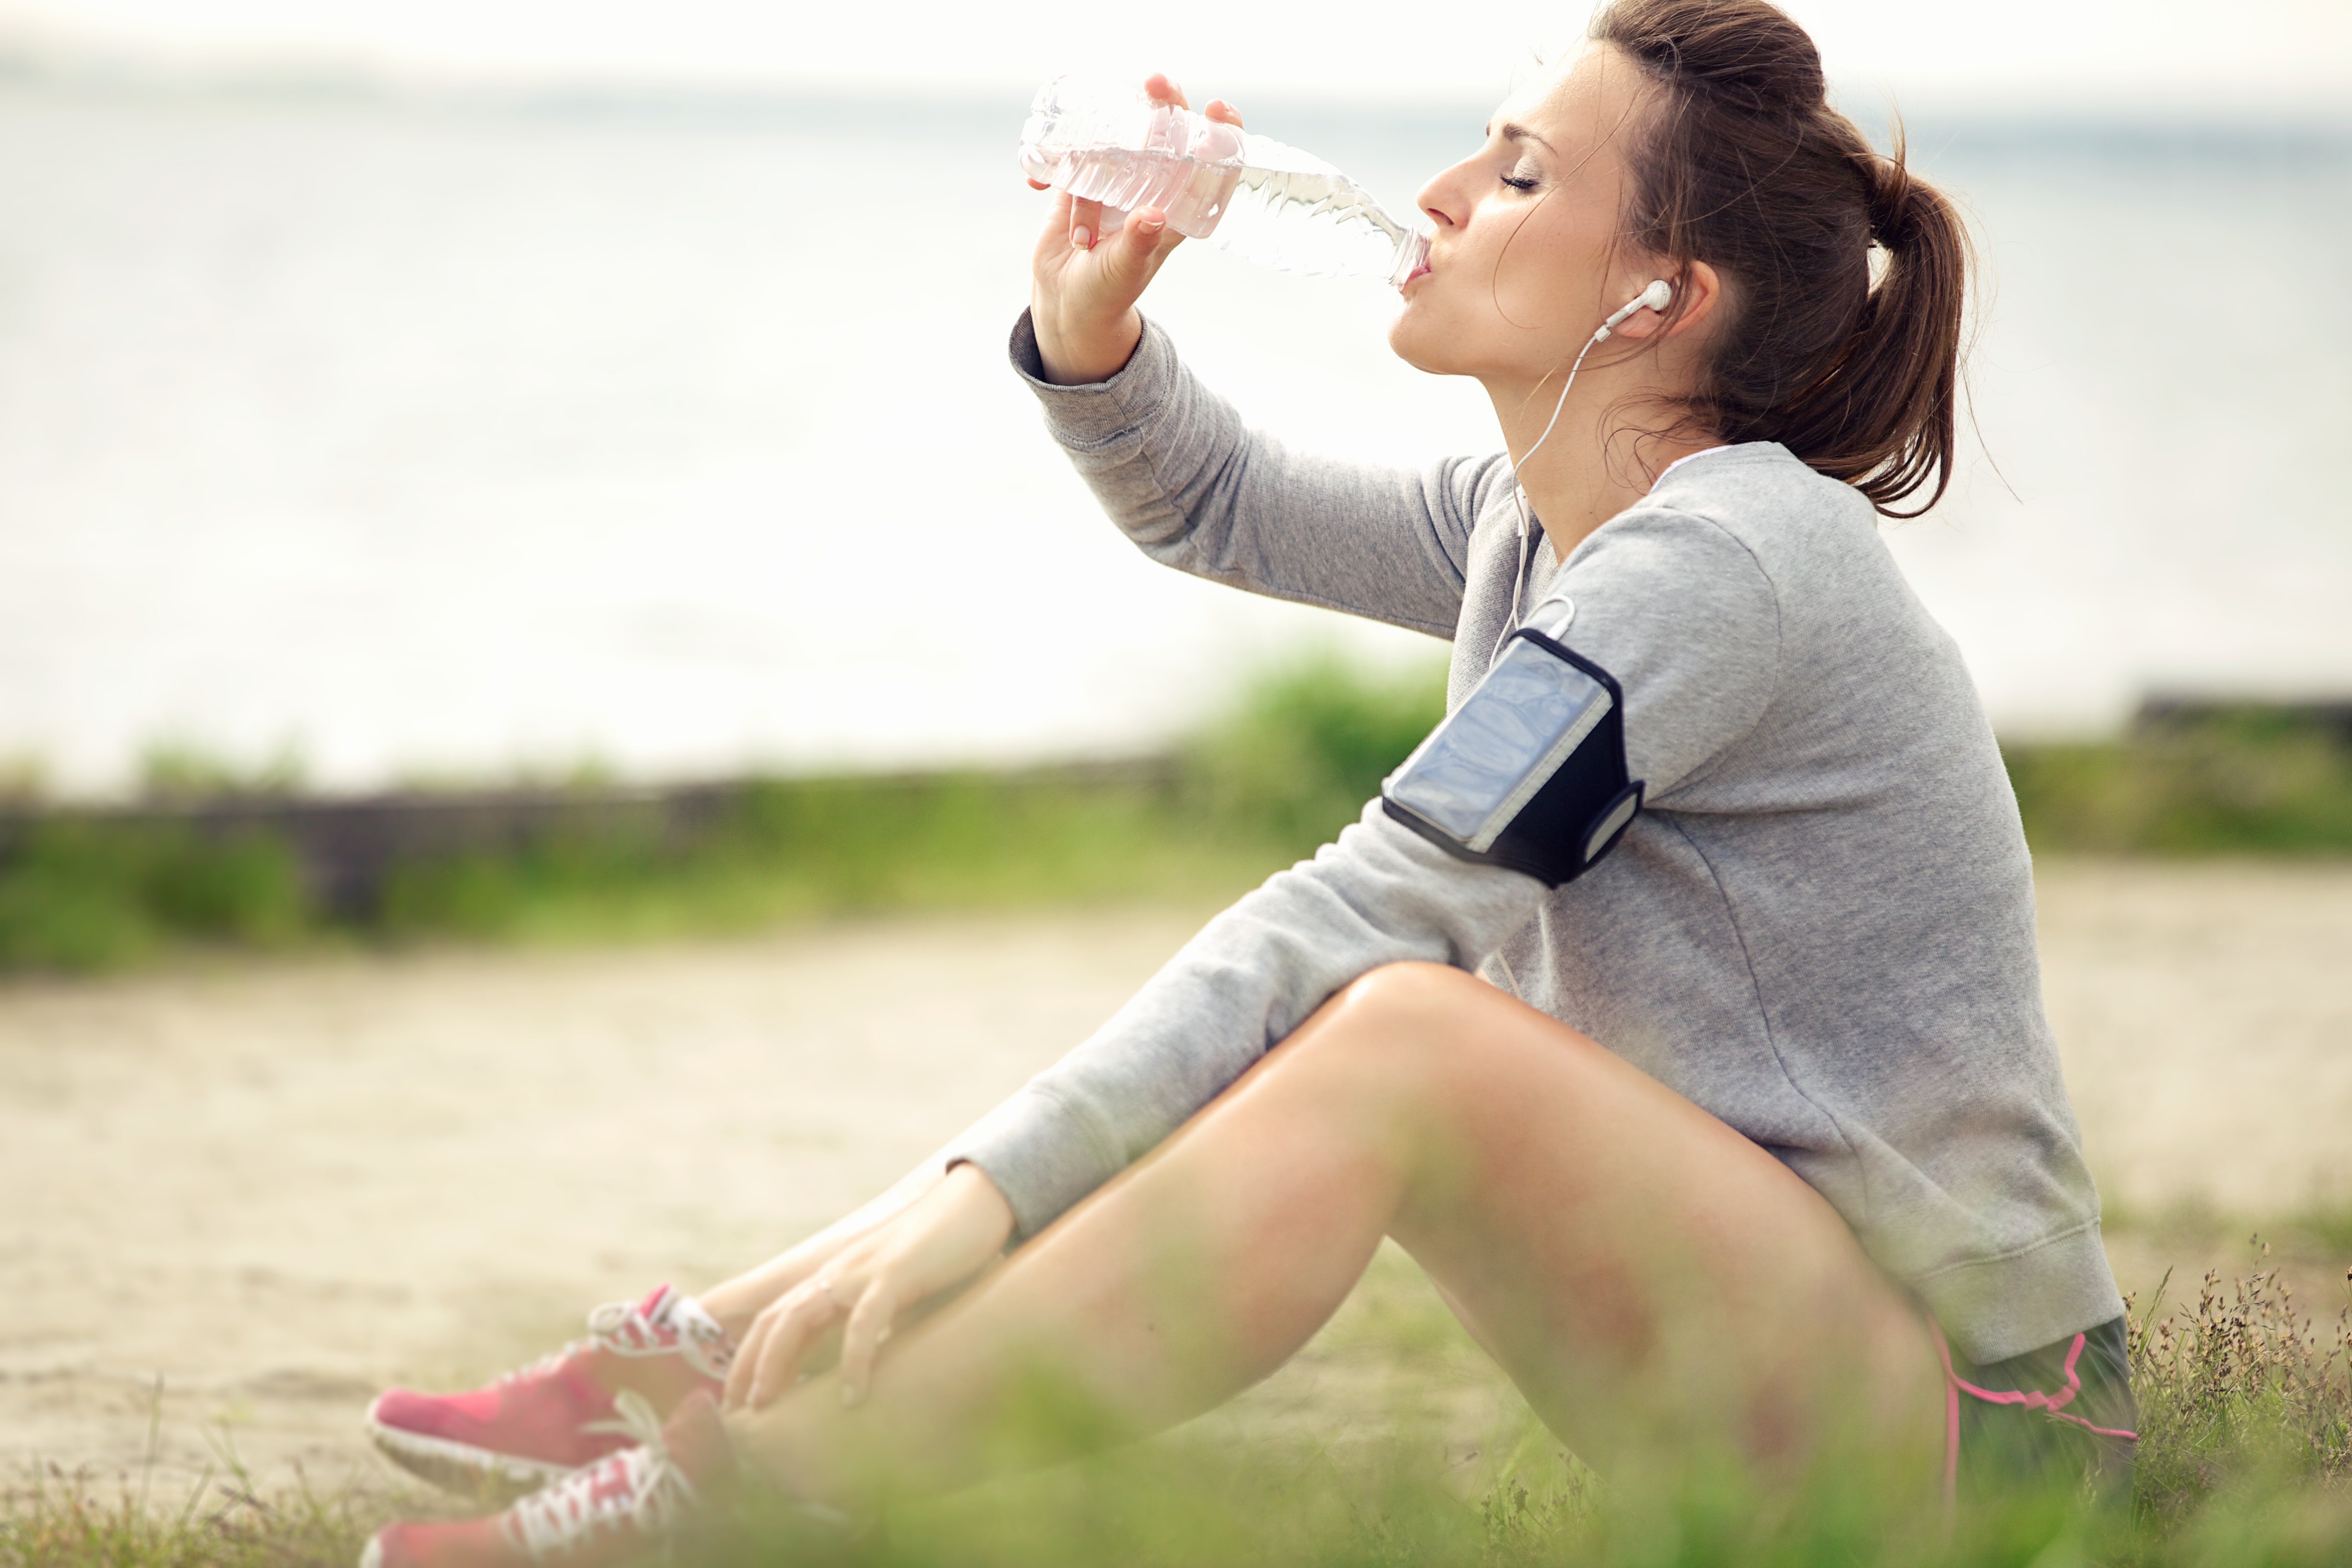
x,y
1738,160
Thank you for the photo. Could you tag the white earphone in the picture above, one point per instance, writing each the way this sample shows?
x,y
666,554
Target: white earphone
x,y
1657,297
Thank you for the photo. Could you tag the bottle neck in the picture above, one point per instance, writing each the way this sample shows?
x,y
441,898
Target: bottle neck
x,y
1413,255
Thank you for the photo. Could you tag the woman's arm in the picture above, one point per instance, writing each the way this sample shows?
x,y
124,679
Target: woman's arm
x,y
1179,472
739,1302
1673,607
1195,489
1679,614
1381,894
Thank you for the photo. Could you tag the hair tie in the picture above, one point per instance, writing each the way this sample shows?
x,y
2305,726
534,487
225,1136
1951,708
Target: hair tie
x,y
1888,202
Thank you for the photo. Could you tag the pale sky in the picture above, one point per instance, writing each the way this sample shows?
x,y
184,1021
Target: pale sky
x,y
2147,54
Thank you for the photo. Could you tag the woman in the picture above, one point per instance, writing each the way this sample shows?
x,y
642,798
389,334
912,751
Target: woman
x,y
1749,1105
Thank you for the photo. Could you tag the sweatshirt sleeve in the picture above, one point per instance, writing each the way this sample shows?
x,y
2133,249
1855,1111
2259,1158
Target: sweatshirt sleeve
x,y
1378,895
1671,604
1678,609
1195,489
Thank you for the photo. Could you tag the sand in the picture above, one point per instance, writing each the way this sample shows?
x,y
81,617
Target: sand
x,y
244,1196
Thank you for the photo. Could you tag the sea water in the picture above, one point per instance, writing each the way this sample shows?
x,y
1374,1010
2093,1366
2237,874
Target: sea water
x,y
455,439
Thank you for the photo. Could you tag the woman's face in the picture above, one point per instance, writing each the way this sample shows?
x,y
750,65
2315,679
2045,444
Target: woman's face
x,y
1524,264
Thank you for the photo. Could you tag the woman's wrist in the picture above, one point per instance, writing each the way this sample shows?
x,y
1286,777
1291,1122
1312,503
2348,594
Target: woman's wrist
x,y
978,1198
737,1301
1083,359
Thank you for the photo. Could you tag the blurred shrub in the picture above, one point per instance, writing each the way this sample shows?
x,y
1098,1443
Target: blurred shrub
x,y
87,893
70,898
1308,747
1293,761
868,844
2245,780
172,771
243,887
492,891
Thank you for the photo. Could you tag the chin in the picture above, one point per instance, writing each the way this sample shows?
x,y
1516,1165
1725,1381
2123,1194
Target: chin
x,y
1410,342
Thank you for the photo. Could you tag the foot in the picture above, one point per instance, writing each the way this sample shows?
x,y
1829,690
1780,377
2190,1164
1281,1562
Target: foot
x,y
610,1512
549,1419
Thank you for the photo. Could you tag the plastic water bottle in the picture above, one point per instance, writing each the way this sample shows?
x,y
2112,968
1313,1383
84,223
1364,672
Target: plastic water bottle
x,y
1249,195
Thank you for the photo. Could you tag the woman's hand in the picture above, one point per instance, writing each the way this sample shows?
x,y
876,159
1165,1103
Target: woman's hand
x,y
943,1238
1086,283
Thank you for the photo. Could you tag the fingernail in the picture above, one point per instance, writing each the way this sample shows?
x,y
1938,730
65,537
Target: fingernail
x,y
1081,238
1152,225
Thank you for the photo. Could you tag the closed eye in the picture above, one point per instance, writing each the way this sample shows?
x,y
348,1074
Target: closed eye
x,y
1520,182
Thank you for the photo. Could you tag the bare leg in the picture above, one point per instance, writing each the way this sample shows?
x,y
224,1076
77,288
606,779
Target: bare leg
x,y
1647,1275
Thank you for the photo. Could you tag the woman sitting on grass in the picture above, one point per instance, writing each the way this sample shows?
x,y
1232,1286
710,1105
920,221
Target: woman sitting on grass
x,y
1676,1007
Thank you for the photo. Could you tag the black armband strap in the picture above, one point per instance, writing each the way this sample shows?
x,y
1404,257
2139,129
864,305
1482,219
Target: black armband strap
x,y
1530,772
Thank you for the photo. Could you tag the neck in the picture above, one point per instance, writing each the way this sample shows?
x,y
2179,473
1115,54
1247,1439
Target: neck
x,y
1598,460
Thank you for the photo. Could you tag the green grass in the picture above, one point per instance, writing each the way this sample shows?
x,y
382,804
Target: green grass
x,y
804,848
2244,1463
2252,780
1280,775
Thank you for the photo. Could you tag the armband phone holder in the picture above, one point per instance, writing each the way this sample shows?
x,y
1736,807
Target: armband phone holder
x,y
1530,772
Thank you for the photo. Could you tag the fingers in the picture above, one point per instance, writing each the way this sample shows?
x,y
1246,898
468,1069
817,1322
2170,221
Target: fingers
x,y
1140,241
738,1392
768,1363
1162,90
1085,223
868,1327
800,1319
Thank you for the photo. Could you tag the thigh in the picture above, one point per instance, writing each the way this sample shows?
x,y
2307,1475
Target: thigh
x,y
1649,1279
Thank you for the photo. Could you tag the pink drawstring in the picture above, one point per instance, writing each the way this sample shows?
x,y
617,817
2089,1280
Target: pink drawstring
x,y
1951,1427
2049,1404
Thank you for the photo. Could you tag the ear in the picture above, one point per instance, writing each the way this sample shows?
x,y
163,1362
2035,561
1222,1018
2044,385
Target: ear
x,y
1699,291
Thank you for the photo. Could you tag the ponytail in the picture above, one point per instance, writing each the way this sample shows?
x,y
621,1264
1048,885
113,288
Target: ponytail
x,y
1740,161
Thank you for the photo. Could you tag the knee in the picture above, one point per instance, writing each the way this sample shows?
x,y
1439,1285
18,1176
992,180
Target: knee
x,y
1407,995
1402,1018
1433,1027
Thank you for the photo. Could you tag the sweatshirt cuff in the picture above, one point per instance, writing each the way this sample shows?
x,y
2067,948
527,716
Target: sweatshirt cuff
x,y
1996,1308
1042,1154
1098,411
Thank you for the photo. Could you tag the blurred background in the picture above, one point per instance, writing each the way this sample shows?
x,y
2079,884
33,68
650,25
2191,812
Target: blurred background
x,y
412,391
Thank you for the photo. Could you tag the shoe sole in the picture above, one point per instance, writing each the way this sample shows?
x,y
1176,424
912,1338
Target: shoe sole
x,y
461,1466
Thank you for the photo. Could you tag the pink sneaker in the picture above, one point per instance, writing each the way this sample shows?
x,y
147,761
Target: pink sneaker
x,y
604,1514
552,1417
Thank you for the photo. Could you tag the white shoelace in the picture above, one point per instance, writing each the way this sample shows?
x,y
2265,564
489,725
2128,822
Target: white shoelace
x,y
639,1487
677,1322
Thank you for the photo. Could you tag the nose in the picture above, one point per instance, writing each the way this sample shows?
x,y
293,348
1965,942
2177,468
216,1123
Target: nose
x,y
1446,199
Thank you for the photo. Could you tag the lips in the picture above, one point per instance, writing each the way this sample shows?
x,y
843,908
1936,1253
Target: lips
x,y
1412,260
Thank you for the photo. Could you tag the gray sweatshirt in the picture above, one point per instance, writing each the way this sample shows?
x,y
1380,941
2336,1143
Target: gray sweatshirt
x,y
1819,929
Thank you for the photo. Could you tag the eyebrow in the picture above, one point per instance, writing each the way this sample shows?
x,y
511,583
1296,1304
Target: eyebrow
x,y
1512,132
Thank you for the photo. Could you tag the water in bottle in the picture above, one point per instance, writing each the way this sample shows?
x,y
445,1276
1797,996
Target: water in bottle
x,y
1249,195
